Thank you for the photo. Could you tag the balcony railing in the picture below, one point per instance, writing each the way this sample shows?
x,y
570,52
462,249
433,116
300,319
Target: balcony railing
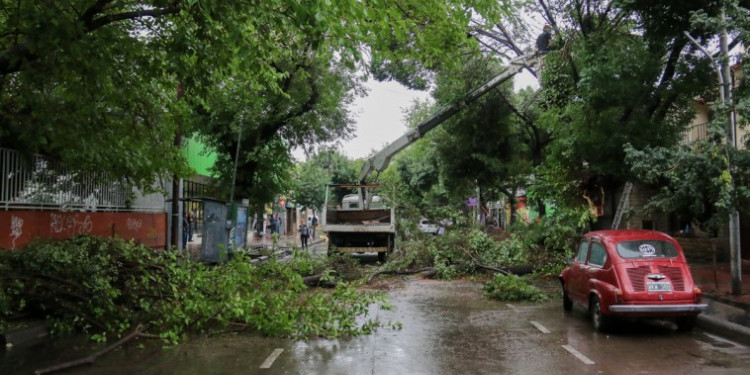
x,y
38,183
695,132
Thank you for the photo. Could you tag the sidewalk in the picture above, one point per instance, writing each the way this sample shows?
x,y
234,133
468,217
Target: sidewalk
x,y
264,241
726,313
286,240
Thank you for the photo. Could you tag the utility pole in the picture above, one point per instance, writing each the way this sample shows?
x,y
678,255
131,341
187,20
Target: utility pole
x,y
236,160
176,219
735,254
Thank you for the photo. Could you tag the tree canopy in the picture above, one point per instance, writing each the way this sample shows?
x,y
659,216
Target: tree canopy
x,y
621,73
88,80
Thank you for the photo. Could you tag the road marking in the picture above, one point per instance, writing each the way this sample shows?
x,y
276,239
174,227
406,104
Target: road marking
x,y
515,309
271,358
578,355
540,327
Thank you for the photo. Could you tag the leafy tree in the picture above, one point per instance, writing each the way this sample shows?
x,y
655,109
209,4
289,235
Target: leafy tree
x,y
481,147
327,166
311,185
310,108
421,192
705,181
694,182
622,72
86,81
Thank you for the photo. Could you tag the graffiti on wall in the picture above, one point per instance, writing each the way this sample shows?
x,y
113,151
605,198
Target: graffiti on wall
x,y
16,230
70,224
134,224
20,227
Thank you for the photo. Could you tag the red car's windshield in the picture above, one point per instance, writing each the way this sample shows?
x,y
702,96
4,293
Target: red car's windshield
x,y
646,249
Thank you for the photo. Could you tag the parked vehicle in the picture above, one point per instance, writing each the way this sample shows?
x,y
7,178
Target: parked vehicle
x,y
426,226
631,273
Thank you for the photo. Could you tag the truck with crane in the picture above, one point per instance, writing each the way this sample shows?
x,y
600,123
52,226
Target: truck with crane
x,y
362,221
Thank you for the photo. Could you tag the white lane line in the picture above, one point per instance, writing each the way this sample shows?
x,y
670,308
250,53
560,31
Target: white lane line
x,y
578,355
515,309
540,327
271,358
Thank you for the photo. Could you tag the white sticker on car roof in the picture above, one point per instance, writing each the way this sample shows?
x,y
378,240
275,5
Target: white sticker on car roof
x,y
647,249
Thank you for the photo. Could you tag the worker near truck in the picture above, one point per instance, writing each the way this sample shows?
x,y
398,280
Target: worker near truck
x,y
542,41
304,234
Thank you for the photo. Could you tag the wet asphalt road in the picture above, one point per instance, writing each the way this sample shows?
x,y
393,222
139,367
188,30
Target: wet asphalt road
x,y
448,328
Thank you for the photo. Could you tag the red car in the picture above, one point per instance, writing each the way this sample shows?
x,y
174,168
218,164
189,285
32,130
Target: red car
x,y
631,273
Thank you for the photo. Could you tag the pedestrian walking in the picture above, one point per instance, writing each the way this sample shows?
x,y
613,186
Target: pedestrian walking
x,y
185,230
314,225
191,225
304,234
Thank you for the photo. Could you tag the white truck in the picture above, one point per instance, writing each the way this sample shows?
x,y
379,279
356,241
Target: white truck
x,y
361,222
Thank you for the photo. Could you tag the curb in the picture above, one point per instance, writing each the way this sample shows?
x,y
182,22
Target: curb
x,y
726,328
726,317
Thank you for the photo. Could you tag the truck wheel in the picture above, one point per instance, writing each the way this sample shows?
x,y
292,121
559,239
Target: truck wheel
x,y
382,256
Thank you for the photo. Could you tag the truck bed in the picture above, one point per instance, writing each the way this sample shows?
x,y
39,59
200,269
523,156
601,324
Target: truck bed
x,y
358,217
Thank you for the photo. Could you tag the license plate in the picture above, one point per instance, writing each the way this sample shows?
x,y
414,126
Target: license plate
x,y
663,286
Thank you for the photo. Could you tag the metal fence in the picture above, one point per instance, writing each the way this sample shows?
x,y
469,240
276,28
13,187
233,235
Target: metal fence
x,y
34,182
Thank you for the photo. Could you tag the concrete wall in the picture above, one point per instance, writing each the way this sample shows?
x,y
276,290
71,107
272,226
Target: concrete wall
x,y
19,227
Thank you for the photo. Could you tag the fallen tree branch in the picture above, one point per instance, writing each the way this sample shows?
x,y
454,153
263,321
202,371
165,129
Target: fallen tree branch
x,y
428,272
490,268
91,358
315,280
509,270
514,270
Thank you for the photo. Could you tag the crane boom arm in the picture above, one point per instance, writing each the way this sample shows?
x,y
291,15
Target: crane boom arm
x,y
379,162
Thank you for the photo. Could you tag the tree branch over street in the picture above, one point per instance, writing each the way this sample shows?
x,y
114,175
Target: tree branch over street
x,y
13,57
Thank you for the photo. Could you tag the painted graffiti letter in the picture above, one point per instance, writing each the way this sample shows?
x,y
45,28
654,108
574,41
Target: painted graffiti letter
x,y
16,229
134,224
56,223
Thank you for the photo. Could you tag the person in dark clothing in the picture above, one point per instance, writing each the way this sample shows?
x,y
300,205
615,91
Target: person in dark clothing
x,y
542,41
273,224
185,230
304,234
191,225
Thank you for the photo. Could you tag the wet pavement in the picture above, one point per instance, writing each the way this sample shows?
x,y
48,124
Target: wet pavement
x,y
446,328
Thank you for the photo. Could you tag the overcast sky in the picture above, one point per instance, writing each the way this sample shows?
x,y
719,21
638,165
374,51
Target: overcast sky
x,y
380,115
